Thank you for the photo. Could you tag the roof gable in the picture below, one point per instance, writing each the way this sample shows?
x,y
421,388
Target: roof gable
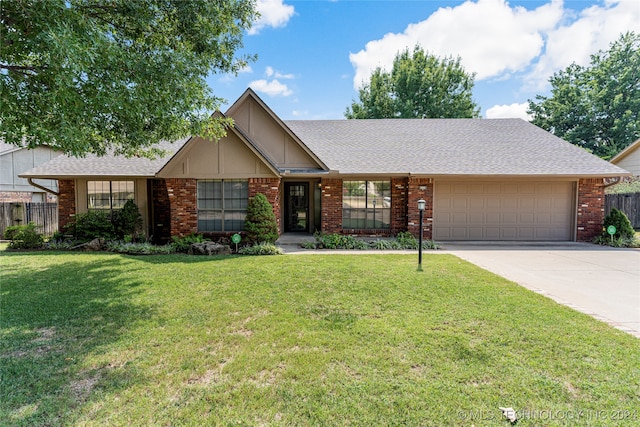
x,y
629,158
271,136
233,156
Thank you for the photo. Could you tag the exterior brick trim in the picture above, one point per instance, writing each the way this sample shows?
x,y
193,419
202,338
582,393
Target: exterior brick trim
x,y
590,209
182,196
331,212
66,202
420,188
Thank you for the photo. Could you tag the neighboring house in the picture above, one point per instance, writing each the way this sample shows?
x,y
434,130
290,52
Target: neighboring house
x,y
482,179
15,160
629,158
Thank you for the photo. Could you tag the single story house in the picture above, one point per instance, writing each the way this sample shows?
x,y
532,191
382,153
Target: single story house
x,y
629,158
482,179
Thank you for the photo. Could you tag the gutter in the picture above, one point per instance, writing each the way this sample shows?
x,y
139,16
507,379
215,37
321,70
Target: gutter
x,y
48,190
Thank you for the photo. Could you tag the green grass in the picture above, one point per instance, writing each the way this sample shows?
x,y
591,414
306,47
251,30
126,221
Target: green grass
x,y
106,339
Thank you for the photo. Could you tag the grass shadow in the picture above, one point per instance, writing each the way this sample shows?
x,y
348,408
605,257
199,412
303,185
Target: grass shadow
x,y
53,317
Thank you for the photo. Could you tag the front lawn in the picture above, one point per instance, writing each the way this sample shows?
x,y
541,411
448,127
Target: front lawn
x,y
107,339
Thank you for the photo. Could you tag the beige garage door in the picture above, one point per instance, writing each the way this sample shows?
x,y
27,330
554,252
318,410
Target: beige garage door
x,y
503,211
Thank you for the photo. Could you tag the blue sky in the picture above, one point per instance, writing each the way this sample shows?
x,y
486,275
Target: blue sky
x,y
314,54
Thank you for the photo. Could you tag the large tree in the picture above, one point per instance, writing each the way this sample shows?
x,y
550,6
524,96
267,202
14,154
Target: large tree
x,y
88,76
596,107
420,85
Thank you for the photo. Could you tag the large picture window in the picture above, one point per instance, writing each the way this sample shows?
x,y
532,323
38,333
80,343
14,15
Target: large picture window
x,y
366,205
109,195
222,205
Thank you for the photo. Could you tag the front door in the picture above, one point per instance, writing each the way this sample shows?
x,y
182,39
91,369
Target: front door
x,y
296,210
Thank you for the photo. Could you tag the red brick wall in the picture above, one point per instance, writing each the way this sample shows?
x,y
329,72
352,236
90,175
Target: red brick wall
x,y
331,217
182,197
590,209
66,202
399,205
420,188
161,221
270,187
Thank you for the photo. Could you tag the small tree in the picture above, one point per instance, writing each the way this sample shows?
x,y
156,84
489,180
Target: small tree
x,y
128,220
620,221
260,223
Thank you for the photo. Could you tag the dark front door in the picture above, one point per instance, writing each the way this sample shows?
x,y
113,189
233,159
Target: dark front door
x,y
296,210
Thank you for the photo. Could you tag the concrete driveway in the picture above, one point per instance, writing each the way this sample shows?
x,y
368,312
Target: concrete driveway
x,y
601,281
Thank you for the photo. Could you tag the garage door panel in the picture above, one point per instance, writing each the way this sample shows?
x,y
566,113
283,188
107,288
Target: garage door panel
x,y
503,211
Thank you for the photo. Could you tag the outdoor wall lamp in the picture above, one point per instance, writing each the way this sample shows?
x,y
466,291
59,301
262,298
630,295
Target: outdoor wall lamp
x,y
421,206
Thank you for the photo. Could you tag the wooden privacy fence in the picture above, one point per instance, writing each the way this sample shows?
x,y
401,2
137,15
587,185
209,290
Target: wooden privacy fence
x,y
628,203
44,215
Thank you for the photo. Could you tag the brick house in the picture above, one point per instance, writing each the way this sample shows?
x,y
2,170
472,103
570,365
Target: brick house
x,y
482,179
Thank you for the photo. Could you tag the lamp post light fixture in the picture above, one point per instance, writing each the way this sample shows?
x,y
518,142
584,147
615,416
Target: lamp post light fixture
x,y
421,205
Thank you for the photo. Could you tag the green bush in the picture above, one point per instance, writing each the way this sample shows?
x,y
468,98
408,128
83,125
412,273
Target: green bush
x,y
94,224
182,244
260,222
263,248
619,220
617,242
23,237
127,221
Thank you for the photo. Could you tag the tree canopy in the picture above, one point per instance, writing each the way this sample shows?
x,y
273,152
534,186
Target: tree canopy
x,y
596,107
91,76
420,85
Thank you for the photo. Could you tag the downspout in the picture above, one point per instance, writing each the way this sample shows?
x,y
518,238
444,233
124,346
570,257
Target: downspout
x,y
614,180
48,190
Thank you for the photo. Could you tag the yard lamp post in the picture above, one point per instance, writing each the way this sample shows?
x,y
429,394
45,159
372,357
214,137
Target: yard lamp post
x,y
421,206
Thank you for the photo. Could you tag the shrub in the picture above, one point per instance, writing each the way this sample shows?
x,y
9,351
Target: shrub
x,y
92,225
407,240
23,237
260,223
182,244
127,221
619,220
263,248
617,242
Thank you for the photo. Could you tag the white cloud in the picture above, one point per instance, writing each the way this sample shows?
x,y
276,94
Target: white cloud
x,y
594,29
496,40
272,88
518,111
490,37
270,72
273,13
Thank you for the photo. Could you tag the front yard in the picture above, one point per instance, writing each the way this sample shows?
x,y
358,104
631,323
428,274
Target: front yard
x,y
107,339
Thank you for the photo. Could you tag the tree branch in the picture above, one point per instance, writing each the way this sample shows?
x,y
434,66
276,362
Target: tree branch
x,y
23,69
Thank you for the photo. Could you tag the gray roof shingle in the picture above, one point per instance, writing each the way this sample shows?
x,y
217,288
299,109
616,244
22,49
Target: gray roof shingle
x,y
394,146
114,166
446,147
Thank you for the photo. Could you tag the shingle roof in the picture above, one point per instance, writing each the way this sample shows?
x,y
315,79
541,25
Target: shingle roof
x,y
446,147
114,166
394,146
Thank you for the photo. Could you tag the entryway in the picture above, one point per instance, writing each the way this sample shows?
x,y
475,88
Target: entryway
x,y
296,207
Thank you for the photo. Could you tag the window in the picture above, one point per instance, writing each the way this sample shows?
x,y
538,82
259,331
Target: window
x,y
109,195
222,205
366,205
